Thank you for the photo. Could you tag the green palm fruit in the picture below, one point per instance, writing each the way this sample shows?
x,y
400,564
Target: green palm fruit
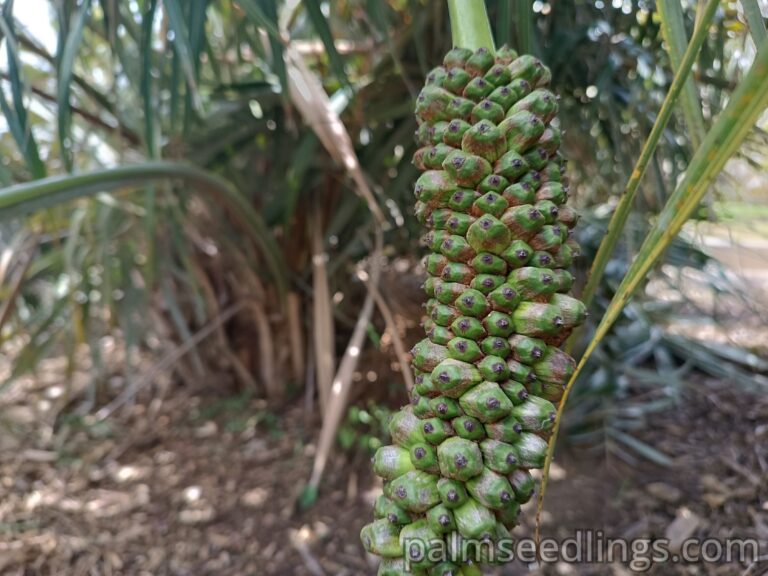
x,y
456,57
385,508
505,96
511,165
456,80
477,89
452,493
527,350
563,278
532,179
389,462
456,248
554,366
491,489
427,355
519,194
520,372
524,221
460,459
484,139
479,62
551,172
423,385
540,102
415,491
443,314
549,209
454,132
492,183
504,298
535,414
563,258
538,319
499,456
507,517
549,238
459,108
486,402
531,448
486,283
505,430
444,407
450,220
498,75
488,110
453,377
434,263
521,130
568,216
436,77
530,69
457,272
447,292
468,428
424,457
434,188
532,283
550,139
472,303
431,157
572,311
436,430
495,346
541,259
382,538
462,199
492,195
468,327
440,519
553,191
523,485
405,428
421,406
473,520
440,335
491,203
536,158
464,349
419,531
488,234
515,391
493,369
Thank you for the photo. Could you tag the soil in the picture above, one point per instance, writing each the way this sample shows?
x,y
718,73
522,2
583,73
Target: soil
x,y
209,485
204,482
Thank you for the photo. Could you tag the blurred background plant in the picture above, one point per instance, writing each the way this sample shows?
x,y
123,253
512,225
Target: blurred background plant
x,y
233,177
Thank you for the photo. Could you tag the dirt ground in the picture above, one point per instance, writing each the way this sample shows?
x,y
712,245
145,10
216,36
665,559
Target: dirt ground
x,y
208,485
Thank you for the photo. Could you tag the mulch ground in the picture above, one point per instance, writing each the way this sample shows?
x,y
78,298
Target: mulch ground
x,y
206,485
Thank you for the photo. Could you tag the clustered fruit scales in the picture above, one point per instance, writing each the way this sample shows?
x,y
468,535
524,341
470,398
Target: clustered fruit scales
x,y
492,194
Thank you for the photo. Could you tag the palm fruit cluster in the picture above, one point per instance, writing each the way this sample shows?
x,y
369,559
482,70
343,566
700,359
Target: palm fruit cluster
x,y
492,195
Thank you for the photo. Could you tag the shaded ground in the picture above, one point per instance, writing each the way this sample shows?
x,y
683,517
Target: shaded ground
x,y
201,482
198,486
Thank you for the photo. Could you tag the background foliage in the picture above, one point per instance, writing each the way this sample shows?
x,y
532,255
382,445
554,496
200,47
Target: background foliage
x,y
232,243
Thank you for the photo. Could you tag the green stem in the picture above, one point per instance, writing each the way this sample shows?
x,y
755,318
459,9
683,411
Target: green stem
x,y
470,26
